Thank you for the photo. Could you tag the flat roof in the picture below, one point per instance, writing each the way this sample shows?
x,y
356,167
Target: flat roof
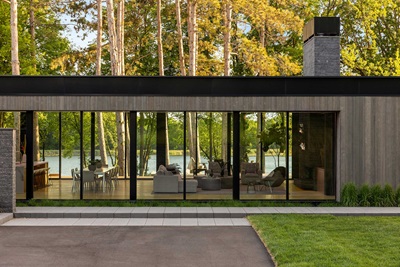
x,y
197,86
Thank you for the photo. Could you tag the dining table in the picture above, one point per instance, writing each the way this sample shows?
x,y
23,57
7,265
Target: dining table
x,y
102,173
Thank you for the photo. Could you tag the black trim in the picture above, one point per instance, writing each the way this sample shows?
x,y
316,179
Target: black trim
x,y
236,156
184,155
81,154
133,155
198,86
29,154
92,136
161,140
59,145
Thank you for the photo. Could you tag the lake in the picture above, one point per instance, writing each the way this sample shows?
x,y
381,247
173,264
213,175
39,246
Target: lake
x,y
70,163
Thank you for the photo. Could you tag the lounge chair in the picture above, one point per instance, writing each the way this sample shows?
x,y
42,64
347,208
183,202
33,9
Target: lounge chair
x,y
275,178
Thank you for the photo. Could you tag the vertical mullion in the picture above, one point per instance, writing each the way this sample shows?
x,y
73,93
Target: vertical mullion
x,y
29,154
81,154
236,155
287,155
184,155
133,156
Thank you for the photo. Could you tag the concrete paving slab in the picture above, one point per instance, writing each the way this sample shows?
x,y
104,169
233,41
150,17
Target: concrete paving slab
x,y
137,222
156,212
223,222
132,246
5,217
154,221
204,212
206,221
84,221
268,210
107,212
172,222
123,212
221,212
188,212
172,212
90,212
119,221
189,222
237,212
102,222
240,222
140,212
252,210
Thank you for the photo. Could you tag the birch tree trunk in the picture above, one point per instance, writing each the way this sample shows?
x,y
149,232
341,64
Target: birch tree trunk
x,y
227,37
121,35
180,38
14,37
159,41
99,115
115,63
141,144
260,152
99,37
115,43
192,28
36,148
15,64
121,141
227,72
36,137
262,35
102,143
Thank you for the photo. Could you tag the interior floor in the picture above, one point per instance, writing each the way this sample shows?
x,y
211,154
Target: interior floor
x,y
62,189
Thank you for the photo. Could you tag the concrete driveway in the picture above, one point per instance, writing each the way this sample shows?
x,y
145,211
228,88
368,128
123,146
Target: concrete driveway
x,y
131,246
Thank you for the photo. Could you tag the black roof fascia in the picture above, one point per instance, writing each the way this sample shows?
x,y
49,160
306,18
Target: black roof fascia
x,y
197,86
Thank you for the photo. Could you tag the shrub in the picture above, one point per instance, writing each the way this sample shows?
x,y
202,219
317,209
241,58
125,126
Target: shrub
x,y
397,197
388,196
349,195
364,195
376,196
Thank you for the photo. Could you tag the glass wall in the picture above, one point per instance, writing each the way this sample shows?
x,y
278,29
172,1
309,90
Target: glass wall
x,y
210,165
263,155
312,158
282,155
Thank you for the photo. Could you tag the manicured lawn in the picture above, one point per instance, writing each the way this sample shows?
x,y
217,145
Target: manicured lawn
x,y
308,240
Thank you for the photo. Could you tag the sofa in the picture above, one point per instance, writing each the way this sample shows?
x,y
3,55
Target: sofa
x,y
165,181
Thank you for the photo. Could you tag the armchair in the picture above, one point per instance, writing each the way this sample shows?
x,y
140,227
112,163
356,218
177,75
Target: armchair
x,y
250,173
275,178
215,169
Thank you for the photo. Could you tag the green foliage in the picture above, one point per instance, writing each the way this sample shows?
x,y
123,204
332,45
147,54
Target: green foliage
x,y
376,196
349,195
397,196
364,196
388,196
145,203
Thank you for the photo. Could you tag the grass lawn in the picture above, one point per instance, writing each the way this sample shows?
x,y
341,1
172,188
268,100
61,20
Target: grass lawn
x,y
314,240
152,203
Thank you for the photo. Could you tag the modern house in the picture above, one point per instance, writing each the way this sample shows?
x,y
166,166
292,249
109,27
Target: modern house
x,y
336,129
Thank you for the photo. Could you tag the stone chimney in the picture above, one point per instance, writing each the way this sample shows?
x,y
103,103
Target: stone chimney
x,y
321,47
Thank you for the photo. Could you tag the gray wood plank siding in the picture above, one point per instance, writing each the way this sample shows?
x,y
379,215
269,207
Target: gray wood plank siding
x,y
368,146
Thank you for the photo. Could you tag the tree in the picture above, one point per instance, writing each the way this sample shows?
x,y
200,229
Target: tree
x,y
180,38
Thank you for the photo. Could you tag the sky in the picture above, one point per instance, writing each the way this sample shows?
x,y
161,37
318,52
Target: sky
x,y
76,37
